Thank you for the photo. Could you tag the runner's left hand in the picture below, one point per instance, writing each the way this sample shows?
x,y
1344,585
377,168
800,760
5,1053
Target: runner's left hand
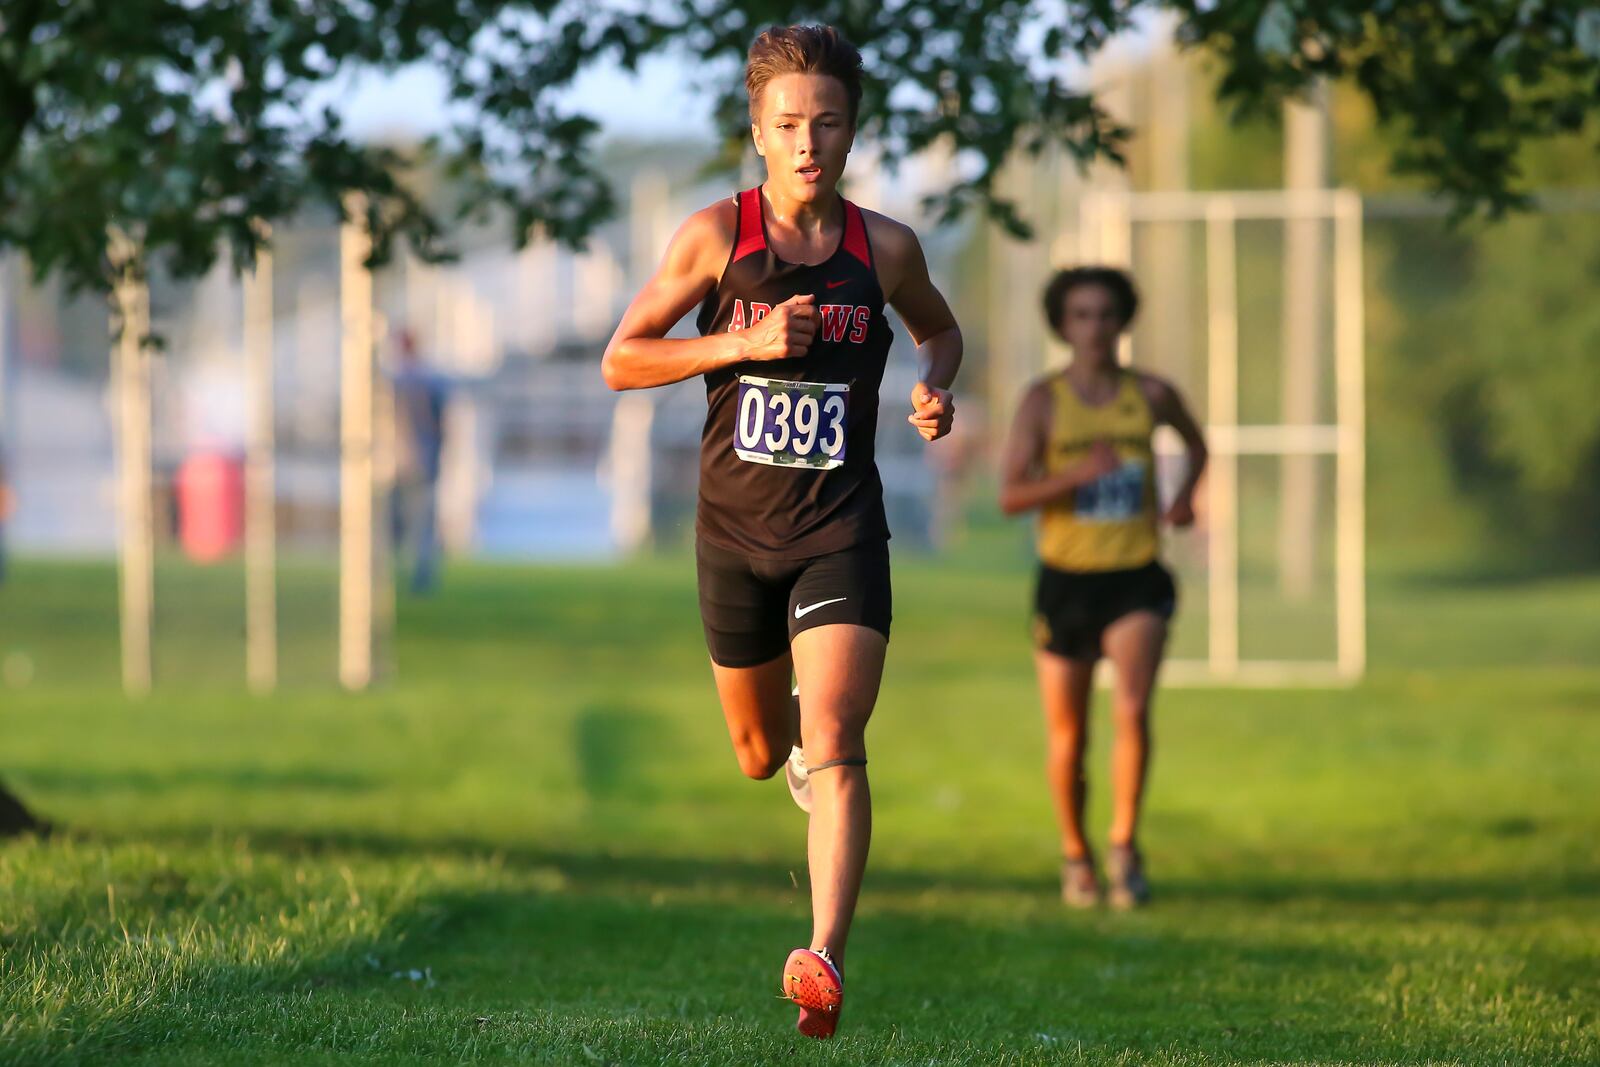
x,y
932,411
1181,512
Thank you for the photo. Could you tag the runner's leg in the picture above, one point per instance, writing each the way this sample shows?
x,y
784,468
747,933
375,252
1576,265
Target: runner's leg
x,y
1134,645
840,667
761,714
1064,690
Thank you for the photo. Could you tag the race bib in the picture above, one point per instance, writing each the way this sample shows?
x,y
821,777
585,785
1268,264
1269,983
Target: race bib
x,y
1114,497
791,424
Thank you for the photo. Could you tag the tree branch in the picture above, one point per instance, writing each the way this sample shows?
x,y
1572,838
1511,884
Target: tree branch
x,y
19,102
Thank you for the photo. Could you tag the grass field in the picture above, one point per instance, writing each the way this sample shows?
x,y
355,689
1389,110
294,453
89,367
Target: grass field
x,y
533,846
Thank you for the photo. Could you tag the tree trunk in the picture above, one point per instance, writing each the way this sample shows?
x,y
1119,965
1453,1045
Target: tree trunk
x,y
16,819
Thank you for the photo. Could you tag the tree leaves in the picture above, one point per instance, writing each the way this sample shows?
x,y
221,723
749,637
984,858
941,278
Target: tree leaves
x,y
185,121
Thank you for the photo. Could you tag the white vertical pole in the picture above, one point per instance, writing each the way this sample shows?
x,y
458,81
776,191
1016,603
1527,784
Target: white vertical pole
x,y
1307,131
356,577
648,233
631,422
1001,331
260,492
462,477
1088,250
385,460
10,279
1169,268
1222,477
1350,400
1116,250
595,276
537,327
136,538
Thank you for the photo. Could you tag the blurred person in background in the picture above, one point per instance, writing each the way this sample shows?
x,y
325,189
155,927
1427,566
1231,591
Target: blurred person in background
x,y
7,509
8,502
1080,454
792,552
420,396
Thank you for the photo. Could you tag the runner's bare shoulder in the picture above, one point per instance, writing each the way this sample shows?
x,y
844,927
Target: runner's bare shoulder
x,y
894,244
704,242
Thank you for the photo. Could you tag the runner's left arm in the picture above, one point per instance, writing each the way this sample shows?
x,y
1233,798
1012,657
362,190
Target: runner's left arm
x,y
1166,403
929,321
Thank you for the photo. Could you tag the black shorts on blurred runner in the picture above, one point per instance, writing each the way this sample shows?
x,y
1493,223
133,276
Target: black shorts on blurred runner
x,y
1072,609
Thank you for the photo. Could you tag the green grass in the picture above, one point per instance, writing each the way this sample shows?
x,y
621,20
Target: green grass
x,y
533,845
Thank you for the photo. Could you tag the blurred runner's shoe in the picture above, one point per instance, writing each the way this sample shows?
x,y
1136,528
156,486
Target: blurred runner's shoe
x,y
1080,887
1125,868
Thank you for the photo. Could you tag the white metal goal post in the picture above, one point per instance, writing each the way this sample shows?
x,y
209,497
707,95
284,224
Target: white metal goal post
x,y
1106,235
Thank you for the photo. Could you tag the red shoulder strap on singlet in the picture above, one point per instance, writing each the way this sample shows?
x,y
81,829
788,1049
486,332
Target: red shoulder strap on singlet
x,y
752,238
855,234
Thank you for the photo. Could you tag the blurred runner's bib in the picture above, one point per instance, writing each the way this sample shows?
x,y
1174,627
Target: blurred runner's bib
x,y
1115,497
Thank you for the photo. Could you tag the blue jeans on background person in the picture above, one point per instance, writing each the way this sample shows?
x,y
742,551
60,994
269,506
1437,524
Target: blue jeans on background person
x,y
414,518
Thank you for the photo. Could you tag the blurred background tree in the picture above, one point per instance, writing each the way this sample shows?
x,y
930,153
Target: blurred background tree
x,y
182,124
1485,452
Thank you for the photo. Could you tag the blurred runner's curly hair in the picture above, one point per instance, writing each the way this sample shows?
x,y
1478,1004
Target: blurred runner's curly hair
x,y
1115,281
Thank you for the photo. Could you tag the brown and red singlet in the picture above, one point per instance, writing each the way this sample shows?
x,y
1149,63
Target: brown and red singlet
x,y
787,468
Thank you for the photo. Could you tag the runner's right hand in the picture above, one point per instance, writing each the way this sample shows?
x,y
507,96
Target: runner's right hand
x,y
785,332
1101,461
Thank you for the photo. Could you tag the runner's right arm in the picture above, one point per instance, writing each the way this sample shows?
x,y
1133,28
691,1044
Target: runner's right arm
x,y
640,354
1023,483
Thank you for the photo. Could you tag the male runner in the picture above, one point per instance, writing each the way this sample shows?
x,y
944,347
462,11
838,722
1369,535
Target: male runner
x,y
792,543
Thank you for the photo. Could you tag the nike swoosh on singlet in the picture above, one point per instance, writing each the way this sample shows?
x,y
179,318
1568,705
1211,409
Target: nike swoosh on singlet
x,y
809,608
835,285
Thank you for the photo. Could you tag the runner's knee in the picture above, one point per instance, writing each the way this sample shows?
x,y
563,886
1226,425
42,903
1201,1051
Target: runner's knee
x,y
1131,712
758,757
834,741
1067,745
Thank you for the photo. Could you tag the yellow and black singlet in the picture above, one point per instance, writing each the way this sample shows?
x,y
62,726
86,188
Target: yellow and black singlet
x,y
1109,524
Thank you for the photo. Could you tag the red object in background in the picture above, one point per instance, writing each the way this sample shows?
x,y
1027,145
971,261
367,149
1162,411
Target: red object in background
x,y
210,489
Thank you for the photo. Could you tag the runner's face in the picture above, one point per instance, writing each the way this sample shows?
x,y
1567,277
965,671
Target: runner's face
x,y
1091,321
803,130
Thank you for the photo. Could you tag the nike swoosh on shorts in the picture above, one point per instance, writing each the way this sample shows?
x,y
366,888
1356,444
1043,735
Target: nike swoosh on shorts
x,y
801,612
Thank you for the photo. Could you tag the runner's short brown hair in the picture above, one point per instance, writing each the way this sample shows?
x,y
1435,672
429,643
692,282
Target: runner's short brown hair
x,y
803,50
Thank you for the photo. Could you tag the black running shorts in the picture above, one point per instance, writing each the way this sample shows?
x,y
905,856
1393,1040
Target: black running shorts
x,y
752,608
1071,609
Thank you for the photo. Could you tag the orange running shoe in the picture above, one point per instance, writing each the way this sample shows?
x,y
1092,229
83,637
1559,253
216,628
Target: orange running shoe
x,y
812,981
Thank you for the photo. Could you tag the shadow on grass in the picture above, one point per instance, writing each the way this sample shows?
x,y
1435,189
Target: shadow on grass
x,y
571,973
608,963
1562,887
1512,571
69,995
86,782
621,870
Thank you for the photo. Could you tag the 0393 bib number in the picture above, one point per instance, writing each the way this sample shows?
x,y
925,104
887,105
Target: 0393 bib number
x,y
791,424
